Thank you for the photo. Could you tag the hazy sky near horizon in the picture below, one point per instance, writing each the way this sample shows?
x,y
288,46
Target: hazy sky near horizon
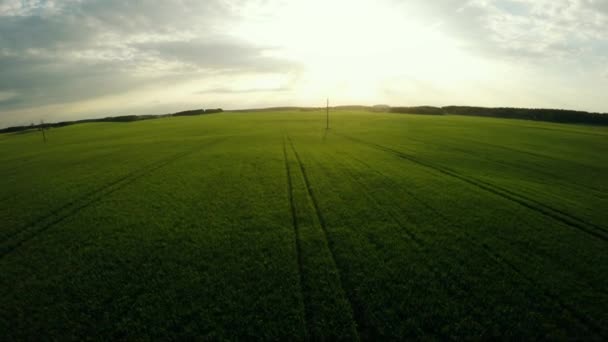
x,y
71,59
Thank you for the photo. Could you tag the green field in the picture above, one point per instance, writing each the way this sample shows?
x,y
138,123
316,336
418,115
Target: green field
x,y
267,226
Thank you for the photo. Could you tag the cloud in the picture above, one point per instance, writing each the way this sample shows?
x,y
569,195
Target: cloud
x,y
7,95
24,8
522,29
58,52
223,55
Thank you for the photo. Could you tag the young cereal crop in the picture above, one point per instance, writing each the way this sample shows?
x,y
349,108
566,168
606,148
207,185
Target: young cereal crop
x,y
268,226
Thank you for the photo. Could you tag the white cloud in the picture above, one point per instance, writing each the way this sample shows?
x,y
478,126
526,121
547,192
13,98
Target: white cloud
x,y
33,7
66,52
63,54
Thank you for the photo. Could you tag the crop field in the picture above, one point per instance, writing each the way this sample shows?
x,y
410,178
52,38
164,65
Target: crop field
x,y
267,226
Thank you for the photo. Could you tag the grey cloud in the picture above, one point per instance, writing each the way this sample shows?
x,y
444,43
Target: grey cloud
x,y
79,50
21,33
230,56
529,29
44,80
66,51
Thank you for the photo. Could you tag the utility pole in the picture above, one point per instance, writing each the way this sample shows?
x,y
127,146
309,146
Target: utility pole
x,y
327,115
42,129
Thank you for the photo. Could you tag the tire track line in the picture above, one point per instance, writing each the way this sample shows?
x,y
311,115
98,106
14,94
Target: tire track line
x,y
555,214
136,295
582,319
453,173
558,129
411,235
71,208
360,324
508,164
84,197
447,220
534,154
417,241
294,223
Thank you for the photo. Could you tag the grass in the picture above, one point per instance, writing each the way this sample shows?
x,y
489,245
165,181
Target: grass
x,y
266,226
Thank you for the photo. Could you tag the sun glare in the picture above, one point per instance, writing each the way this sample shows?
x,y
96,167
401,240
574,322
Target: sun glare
x,y
354,49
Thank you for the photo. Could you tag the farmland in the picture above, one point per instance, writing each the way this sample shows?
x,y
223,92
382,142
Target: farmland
x,y
268,226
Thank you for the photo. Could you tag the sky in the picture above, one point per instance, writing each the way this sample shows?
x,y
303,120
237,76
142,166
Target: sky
x,y
73,59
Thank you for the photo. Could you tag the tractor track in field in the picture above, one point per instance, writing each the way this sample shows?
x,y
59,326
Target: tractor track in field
x,y
497,258
296,229
543,209
450,222
534,154
582,318
71,208
26,163
136,295
411,235
85,196
559,129
418,243
501,162
355,309
597,192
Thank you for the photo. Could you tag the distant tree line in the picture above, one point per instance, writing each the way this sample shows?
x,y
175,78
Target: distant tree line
x,y
425,110
198,112
552,115
123,118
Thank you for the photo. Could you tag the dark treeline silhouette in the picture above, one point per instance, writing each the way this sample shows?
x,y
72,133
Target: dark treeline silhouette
x,y
198,112
190,112
214,111
425,110
123,118
551,115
